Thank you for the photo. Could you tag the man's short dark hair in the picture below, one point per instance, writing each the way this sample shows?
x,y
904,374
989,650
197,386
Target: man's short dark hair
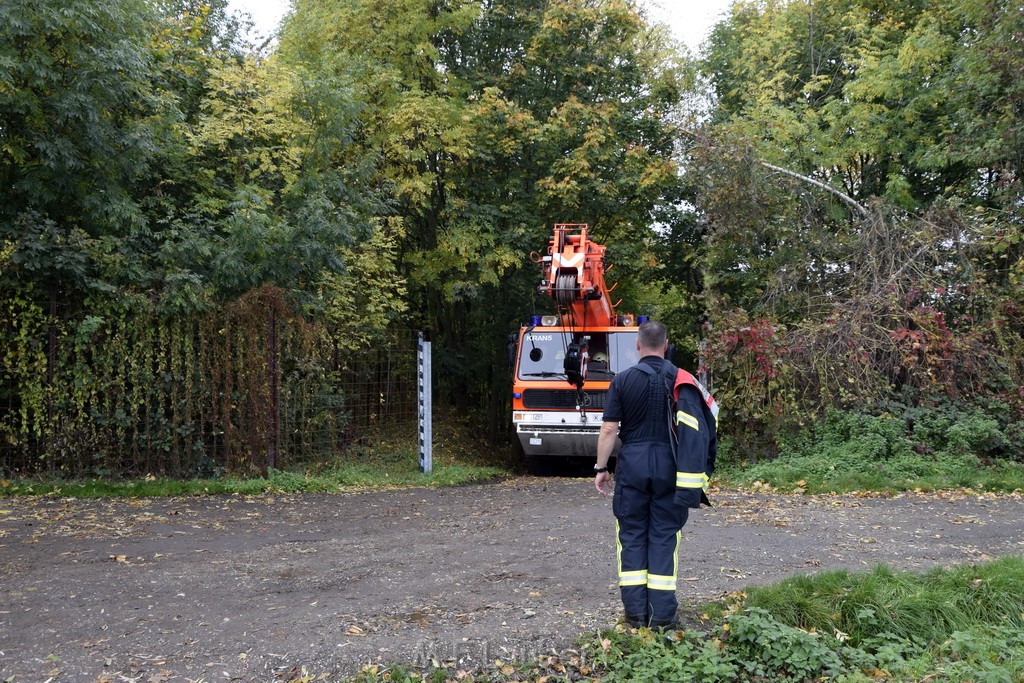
x,y
653,335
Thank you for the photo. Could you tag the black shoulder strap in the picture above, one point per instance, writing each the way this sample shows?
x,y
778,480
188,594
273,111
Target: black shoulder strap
x,y
669,376
645,368
668,370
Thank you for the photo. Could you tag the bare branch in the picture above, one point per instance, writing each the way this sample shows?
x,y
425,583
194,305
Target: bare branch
x,y
845,197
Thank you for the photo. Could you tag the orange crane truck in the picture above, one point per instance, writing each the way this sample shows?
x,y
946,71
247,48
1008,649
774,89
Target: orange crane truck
x,y
564,363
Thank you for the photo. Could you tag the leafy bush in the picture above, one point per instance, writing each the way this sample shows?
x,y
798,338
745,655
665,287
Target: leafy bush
x,y
765,647
921,448
645,656
975,433
986,430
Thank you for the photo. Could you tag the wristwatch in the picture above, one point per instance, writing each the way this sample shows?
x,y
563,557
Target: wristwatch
x,y
598,470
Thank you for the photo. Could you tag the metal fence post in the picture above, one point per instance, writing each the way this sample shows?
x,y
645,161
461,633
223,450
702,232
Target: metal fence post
x,y
424,390
274,369
703,373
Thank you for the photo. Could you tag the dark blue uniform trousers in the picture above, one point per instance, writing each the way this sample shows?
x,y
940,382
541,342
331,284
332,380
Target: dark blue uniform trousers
x,y
648,530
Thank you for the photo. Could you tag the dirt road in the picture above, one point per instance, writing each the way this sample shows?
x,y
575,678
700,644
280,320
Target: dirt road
x,y
253,589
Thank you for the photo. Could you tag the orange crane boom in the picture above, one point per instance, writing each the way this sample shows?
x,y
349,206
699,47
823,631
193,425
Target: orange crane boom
x,y
574,276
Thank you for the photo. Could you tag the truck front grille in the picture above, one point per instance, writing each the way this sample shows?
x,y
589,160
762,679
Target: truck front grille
x,y
561,399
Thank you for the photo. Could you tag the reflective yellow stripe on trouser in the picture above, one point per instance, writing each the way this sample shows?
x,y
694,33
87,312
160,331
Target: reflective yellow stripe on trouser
x,y
636,577
661,582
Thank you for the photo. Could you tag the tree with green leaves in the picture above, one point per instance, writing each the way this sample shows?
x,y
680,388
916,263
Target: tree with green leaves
x,y
157,171
494,121
79,126
858,246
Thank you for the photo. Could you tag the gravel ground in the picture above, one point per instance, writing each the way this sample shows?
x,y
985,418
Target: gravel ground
x,y
256,588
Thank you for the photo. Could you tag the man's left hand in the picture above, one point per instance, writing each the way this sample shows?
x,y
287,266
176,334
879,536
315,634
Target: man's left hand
x,y
603,483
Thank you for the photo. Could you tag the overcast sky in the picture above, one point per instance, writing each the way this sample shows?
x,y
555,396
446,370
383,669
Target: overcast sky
x,y
690,20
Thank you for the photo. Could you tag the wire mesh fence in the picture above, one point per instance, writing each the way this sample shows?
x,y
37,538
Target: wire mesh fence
x,y
249,387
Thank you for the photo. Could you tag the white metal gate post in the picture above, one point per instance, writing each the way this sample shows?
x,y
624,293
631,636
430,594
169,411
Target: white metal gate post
x,y
703,374
424,390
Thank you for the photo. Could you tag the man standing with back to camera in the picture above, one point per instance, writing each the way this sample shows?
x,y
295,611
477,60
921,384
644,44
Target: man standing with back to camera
x,y
656,482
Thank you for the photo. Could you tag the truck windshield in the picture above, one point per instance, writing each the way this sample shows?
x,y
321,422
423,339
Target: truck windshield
x,y
542,353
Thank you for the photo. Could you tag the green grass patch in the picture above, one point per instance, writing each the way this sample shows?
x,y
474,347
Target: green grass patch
x,y
961,624
383,459
926,607
855,452
344,478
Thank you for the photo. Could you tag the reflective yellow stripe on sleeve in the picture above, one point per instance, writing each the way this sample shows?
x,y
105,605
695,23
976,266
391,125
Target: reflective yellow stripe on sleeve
x,y
633,578
685,418
691,480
